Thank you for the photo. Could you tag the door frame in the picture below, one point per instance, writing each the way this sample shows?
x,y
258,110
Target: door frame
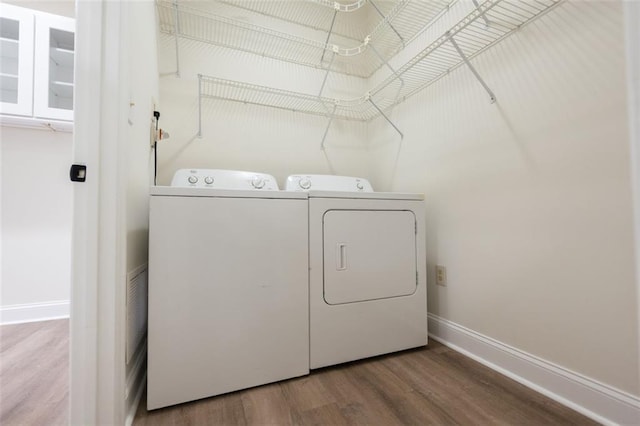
x,y
97,365
632,40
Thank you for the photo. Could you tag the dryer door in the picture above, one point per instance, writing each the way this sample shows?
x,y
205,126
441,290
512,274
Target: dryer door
x,y
368,255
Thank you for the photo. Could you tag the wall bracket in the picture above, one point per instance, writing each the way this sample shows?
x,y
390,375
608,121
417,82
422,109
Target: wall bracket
x,y
487,23
387,22
492,97
386,118
333,21
326,130
199,105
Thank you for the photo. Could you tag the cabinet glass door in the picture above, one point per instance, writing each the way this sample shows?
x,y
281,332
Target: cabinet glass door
x,y
53,84
16,60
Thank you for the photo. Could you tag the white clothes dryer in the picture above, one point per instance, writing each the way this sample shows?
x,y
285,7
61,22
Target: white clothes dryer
x,y
228,285
367,277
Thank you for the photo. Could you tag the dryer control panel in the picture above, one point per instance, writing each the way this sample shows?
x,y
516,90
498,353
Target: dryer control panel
x,y
224,179
327,183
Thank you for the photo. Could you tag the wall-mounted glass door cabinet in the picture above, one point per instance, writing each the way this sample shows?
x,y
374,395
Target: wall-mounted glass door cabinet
x,y
37,64
53,78
16,60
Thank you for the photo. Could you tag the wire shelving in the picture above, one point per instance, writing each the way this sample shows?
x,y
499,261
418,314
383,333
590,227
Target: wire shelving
x,y
466,39
345,44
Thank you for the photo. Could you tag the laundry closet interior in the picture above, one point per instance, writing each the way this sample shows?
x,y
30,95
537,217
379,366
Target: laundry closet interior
x,y
509,116
439,197
321,82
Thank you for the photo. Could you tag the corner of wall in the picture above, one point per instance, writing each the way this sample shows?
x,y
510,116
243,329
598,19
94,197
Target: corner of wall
x,y
589,397
632,37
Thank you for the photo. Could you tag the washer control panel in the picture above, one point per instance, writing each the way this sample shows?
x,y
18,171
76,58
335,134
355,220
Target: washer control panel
x,y
224,179
327,183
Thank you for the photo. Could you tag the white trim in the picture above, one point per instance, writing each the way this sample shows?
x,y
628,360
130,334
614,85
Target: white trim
x,y
632,38
83,389
133,408
112,250
31,312
136,381
36,123
595,400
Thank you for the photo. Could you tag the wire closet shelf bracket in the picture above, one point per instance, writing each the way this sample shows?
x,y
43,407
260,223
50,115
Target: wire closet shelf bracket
x,y
457,46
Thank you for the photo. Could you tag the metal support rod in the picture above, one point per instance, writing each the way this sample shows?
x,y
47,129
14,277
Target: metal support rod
x,y
177,31
398,76
473,70
388,23
386,63
387,118
326,75
326,130
326,43
487,23
199,105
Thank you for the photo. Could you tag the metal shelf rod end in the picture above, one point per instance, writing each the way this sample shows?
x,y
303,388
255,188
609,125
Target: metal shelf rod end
x,y
199,105
492,96
387,118
326,130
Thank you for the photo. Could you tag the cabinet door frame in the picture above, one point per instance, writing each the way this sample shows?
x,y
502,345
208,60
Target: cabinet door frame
x,y
25,18
43,25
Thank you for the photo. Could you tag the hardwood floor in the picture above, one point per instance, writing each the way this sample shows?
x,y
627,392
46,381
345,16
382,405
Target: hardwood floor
x,y
433,385
34,373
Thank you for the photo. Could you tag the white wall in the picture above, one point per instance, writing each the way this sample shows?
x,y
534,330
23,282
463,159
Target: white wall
x,y
528,201
632,17
139,90
36,222
142,92
36,213
56,7
248,137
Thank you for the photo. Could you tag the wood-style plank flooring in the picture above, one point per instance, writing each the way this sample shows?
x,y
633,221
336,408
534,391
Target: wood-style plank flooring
x,y
34,373
433,385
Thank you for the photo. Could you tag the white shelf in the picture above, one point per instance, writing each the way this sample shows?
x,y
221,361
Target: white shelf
x,y
62,89
358,50
391,22
9,82
429,65
341,7
9,47
471,35
62,57
36,123
235,91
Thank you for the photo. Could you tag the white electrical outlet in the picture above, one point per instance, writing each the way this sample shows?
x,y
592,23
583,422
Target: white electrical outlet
x,y
441,275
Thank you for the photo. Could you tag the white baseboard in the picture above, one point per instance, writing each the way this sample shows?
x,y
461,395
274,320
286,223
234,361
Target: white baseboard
x,y
595,400
30,312
136,381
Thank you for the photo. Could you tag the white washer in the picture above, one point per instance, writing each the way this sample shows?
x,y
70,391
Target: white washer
x,y
367,278
228,285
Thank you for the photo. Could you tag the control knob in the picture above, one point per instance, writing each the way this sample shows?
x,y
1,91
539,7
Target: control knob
x,y
193,179
208,180
305,183
258,182
360,186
